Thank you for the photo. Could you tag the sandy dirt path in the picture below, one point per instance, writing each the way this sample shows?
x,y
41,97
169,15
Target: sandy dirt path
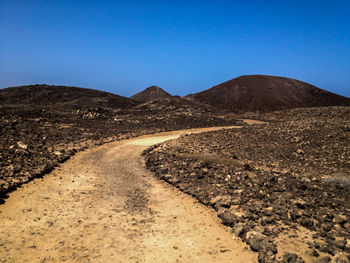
x,y
103,206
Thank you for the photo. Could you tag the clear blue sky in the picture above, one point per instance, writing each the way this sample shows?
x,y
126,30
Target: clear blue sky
x,y
181,46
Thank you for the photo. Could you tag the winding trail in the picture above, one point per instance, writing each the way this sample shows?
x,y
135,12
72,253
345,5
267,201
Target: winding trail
x,y
102,205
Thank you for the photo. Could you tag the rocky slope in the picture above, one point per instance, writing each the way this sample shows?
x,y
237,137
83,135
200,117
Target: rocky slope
x,y
62,97
41,126
262,93
151,93
284,187
175,110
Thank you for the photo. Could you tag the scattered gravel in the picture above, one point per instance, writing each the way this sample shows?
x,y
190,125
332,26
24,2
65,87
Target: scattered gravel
x,y
284,181
36,138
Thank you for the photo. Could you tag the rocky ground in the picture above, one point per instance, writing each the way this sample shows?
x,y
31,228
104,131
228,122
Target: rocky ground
x,y
283,187
36,138
102,205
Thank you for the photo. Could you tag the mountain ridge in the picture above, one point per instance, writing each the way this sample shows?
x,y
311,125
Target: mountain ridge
x,y
263,93
151,93
49,95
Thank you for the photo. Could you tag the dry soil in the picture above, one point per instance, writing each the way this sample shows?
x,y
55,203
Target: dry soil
x,y
103,206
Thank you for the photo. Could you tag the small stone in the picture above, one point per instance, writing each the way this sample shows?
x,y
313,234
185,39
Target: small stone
x,y
292,258
221,200
299,203
247,167
325,259
238,229
16,181
340,257
300,151
268,211
256,240
340,219
226,216
167,176
315,253
347,245
22,145
347,226
326,227
340,243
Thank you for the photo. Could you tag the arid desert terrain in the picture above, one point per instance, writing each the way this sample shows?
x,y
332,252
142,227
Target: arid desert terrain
x,y
256,169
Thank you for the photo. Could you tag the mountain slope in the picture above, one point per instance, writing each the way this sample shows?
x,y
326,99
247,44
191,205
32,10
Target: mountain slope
x,y
70,97
151,93
266,93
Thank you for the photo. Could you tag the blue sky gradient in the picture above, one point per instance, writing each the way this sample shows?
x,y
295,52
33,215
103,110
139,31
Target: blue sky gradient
x,y
181,46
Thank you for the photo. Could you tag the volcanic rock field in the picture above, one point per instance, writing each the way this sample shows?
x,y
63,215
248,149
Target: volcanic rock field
x,y
277,184
282,184
36,137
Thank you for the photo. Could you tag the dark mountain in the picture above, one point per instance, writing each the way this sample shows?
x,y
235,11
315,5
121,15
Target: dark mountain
x,y
263,93
151,93
62,96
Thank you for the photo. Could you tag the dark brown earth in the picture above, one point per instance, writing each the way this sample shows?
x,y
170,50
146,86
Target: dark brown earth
x,y
61,97
151,93
263,93
41,125
283,187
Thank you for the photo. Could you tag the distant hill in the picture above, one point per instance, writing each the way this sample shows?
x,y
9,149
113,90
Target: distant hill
x,y
263,93
151,93
62,96
174,104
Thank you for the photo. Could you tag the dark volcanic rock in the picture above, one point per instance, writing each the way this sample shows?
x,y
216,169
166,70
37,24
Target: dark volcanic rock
x,y
257,241
62,96
282,189
227,217
340,258
292,258
42,126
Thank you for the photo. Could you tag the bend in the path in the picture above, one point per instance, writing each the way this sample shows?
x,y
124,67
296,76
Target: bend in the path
x,y
103,206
